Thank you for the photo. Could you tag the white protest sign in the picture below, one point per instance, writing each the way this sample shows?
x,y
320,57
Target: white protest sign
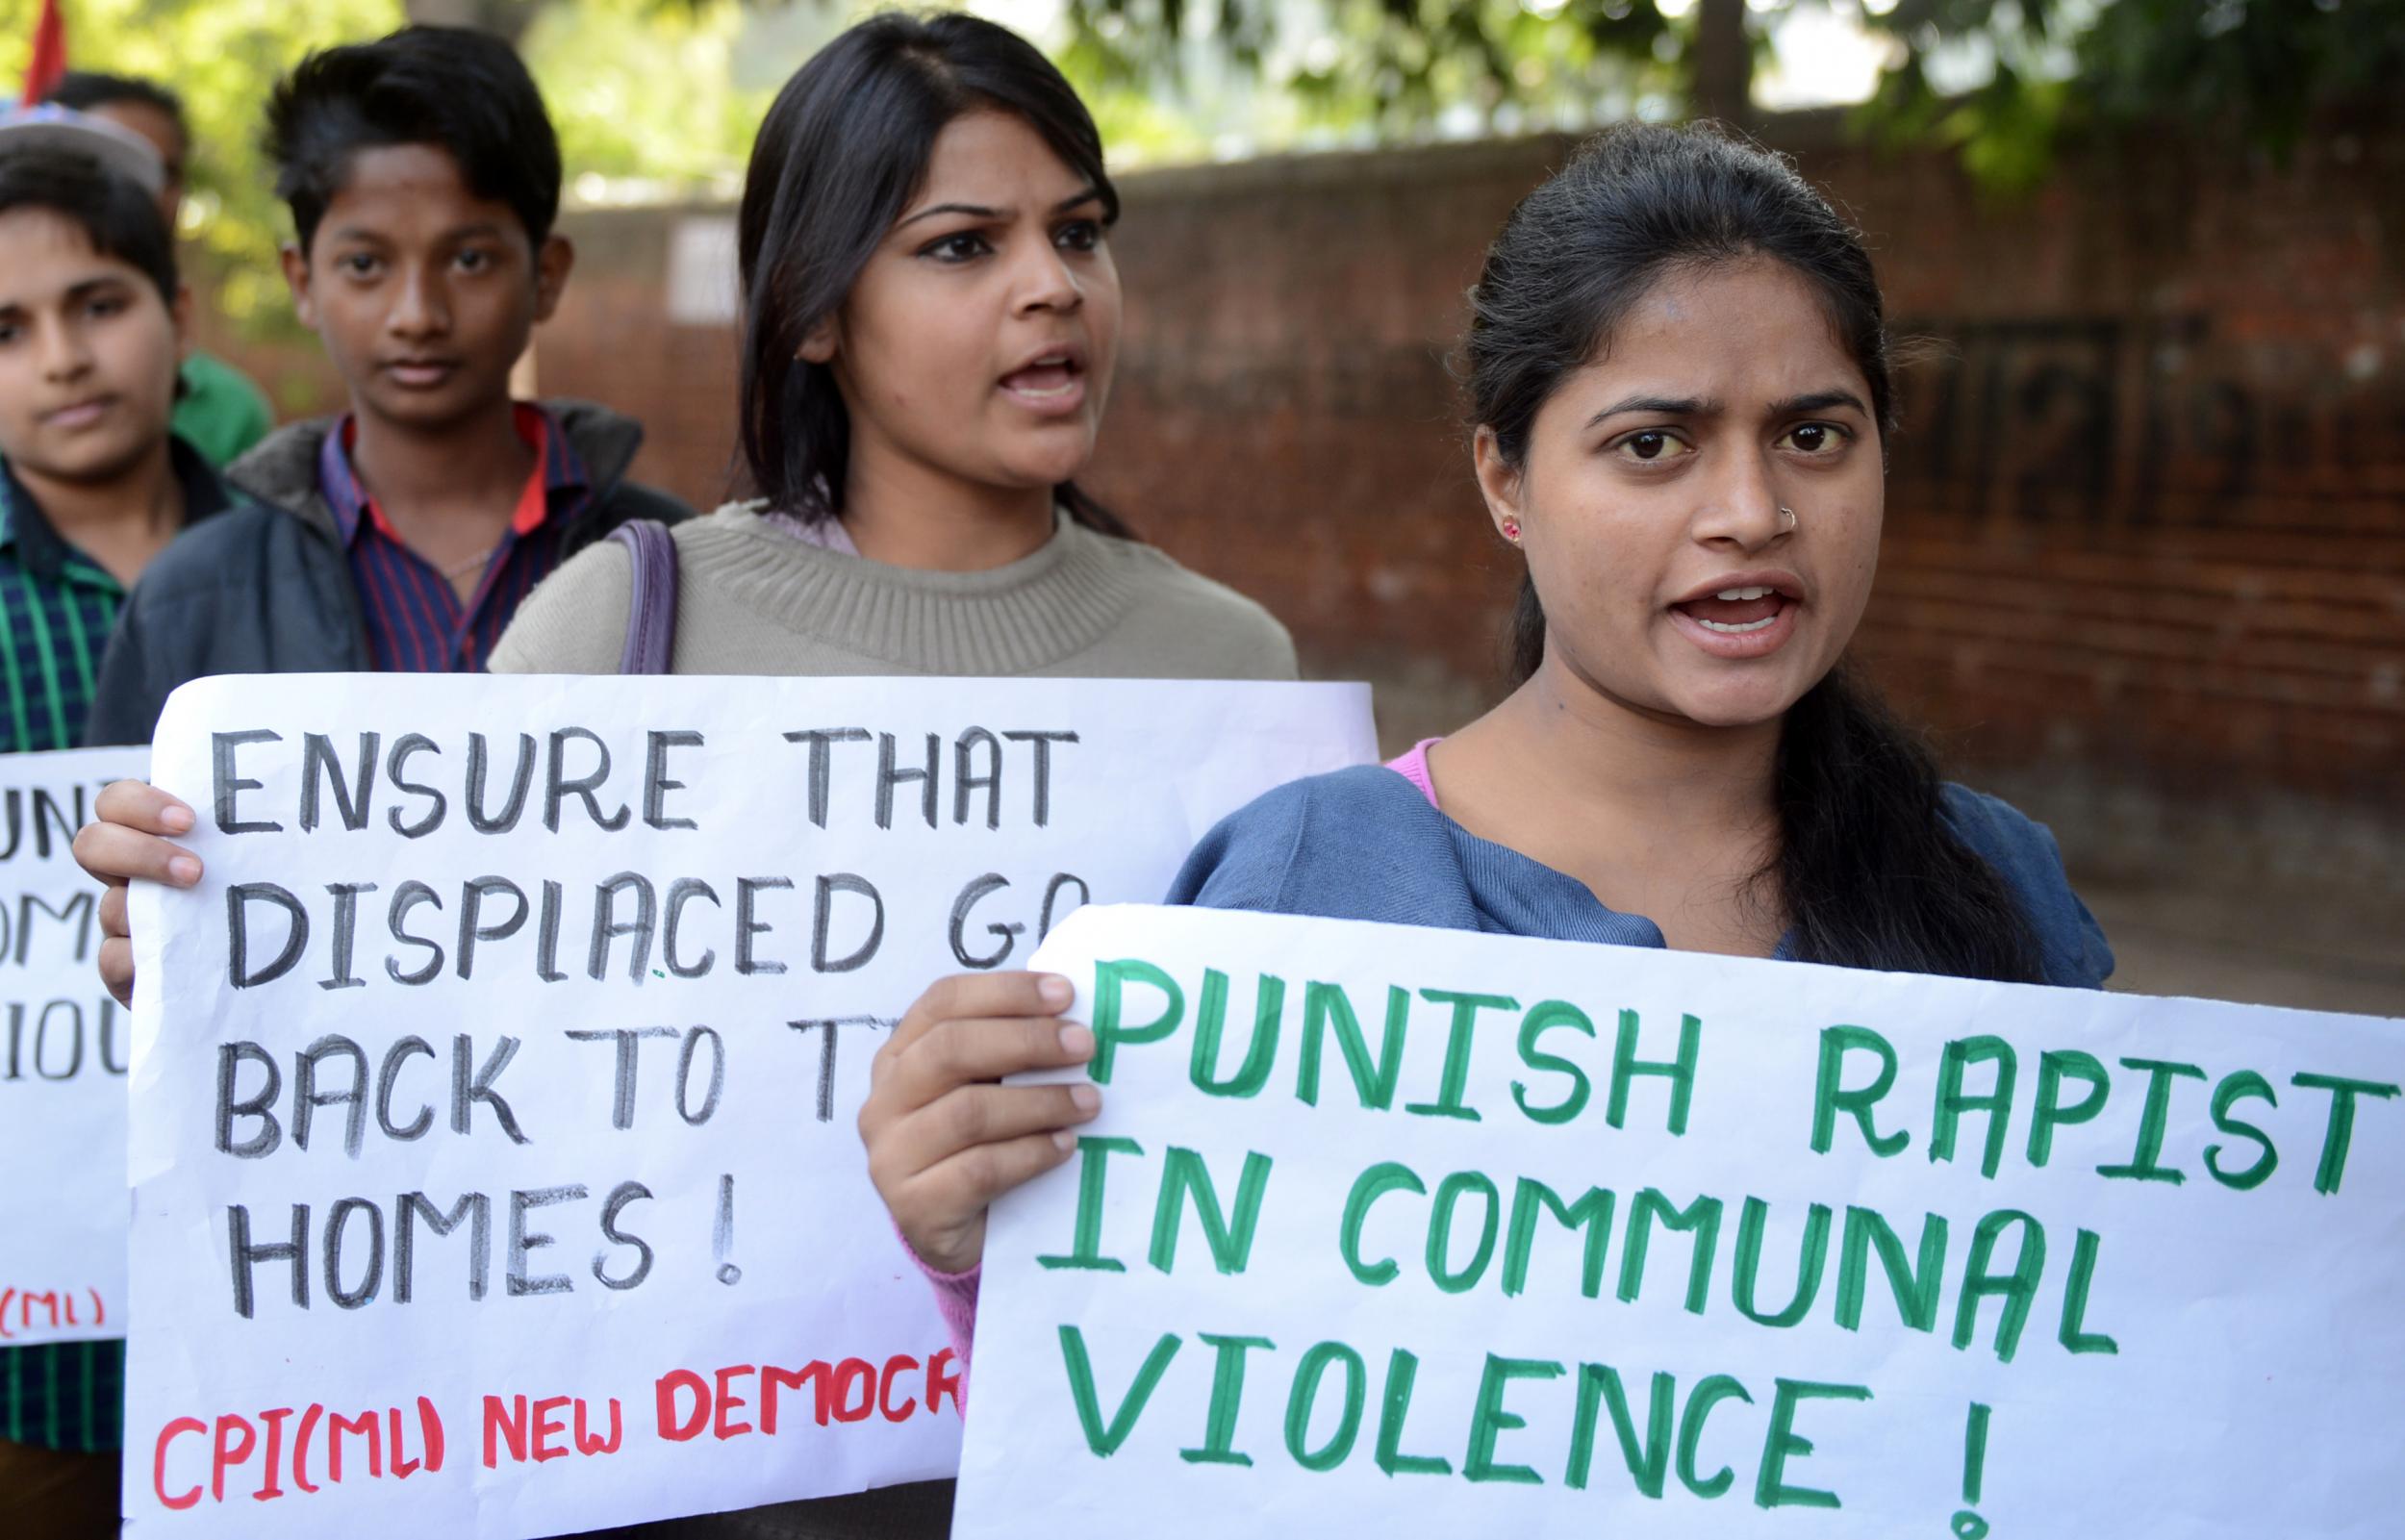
x,y
62,1059
494,1156
1398,1231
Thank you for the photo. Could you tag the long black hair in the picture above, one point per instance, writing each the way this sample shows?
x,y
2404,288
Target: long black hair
x,y
1868,872
840,155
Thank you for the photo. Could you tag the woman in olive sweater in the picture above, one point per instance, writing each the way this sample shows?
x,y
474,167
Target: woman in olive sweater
x,y
1680,394
931,319
932,322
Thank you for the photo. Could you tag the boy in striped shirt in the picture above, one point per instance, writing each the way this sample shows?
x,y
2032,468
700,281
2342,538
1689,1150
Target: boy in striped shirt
x,y
92,486
424,178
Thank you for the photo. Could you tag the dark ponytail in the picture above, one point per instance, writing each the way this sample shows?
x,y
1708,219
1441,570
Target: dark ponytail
x,y
1868,872
839,156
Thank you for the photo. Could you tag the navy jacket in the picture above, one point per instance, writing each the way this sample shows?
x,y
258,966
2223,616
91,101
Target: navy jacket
x,y
266,587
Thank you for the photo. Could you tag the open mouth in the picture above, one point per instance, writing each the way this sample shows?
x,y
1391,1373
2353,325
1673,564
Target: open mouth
x,y
1737,612
1743,620
1054,383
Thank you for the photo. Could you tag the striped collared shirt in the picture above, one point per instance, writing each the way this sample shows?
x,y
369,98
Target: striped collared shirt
x,y
57,606
417,623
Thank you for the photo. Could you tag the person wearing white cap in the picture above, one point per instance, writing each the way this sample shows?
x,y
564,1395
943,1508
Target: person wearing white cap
x,y
50,125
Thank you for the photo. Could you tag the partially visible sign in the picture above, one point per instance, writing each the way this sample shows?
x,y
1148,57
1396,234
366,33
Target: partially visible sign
x,y
63,1051
702,284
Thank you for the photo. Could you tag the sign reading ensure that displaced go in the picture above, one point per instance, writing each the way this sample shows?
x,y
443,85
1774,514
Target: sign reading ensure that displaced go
x,y
1415,1232
494,1157
62,1061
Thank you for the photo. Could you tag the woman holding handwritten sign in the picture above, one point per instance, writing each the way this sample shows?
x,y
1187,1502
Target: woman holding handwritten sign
x,y
1679,381
931,321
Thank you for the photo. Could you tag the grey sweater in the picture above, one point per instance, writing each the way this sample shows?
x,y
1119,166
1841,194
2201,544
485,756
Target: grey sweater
x,y
752,600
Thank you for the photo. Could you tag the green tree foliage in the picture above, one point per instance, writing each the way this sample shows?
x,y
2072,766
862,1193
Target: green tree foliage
x,y
2261,69
220,56
2272,64
638,89
642,90
668,92
1397,65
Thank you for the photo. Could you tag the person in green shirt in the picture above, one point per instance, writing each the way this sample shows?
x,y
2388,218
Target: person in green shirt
x,y
220,412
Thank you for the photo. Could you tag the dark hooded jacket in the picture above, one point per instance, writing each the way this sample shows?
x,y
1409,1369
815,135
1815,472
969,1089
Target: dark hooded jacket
x,y
265,586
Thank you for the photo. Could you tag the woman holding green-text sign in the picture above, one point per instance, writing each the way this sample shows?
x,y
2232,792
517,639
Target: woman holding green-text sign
x,y
1680,386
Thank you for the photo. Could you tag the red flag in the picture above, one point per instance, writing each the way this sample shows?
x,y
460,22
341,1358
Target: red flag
x,y
49,62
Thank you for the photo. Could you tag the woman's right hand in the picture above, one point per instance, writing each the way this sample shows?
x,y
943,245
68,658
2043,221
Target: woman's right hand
x,y
944,1139
128,839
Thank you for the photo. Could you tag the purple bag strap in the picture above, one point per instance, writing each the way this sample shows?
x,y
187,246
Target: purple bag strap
x,y
651,618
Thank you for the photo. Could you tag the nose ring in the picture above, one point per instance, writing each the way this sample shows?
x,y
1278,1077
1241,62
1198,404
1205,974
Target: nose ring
x,y
1789,516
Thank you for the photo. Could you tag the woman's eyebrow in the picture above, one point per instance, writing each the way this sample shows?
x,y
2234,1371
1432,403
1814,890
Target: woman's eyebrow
x,y
1662,405
974,211
979,210
1817,401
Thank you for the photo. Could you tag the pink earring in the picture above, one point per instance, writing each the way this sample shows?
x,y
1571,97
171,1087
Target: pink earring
x,y
1512,530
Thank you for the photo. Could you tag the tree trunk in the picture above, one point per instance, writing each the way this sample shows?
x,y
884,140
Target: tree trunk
x,y
1722,82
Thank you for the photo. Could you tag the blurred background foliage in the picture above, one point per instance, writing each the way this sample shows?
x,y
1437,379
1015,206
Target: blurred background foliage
x,y
658,98
220,56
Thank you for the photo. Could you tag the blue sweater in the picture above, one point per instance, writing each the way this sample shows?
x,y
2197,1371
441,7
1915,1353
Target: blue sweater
x,y
1363,844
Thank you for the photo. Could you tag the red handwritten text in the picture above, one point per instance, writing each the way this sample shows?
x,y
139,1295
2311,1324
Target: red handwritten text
x,y
850,1391
23,1311
539,1431
377,1442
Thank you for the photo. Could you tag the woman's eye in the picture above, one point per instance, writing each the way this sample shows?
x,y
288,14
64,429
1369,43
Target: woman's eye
x,y
1815,438
1081,234
959,248
1655,445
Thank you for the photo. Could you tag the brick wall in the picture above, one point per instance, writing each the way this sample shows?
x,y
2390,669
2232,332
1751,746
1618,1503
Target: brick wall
x,y
2145,559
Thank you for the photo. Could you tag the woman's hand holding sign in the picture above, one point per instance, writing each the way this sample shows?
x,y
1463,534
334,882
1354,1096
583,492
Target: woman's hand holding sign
x,y
944,1138
128,837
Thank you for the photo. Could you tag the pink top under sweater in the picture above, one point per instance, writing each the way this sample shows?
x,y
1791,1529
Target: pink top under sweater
x,y
956,1292
1413,766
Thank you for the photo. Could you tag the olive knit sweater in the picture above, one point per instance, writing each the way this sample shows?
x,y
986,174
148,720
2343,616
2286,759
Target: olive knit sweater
x,y
752,600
